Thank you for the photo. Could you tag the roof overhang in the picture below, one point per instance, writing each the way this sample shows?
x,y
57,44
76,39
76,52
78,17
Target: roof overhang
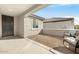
x,y
19,9
35,8
58,20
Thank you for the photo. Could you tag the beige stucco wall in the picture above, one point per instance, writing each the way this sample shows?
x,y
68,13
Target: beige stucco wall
x,y
54,32
16,21
57,32
16,26
58,28
23,26
20,28
28,27
0,26
59,25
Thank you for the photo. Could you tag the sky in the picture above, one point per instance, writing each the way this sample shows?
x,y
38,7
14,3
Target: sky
x,y
60,10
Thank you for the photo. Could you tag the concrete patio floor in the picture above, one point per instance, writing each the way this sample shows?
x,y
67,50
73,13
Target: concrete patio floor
x,y
21,46
54,42
36,44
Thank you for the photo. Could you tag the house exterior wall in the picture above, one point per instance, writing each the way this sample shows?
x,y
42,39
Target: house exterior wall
x,y
16,21
58,28
0,26
28,27
20,28
55,32
23,27
17,27
19,23
62,25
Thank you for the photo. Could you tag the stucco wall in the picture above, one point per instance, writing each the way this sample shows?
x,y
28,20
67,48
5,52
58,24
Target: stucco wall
x,y
0,26
59,25
23,27
15,26
58,28
16,20
28,27
55,32
20,26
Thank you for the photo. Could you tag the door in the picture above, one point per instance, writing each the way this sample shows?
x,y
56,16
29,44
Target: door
x,y
7,25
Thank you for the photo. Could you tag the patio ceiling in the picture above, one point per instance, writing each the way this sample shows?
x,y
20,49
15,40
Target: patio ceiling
x,y
14,9
19,9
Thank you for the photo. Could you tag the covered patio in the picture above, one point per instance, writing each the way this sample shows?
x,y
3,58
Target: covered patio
x,y
24,38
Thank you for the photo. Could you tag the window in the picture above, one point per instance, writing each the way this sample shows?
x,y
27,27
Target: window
x,y
35,23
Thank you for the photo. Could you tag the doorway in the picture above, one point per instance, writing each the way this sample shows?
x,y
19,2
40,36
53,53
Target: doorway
x,y
7,26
